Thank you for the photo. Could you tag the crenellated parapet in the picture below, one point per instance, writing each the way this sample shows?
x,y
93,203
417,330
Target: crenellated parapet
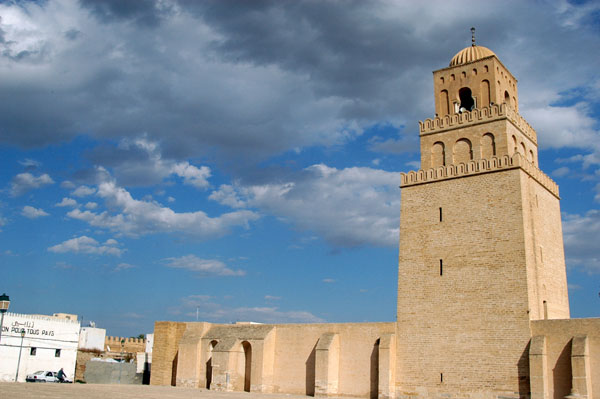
x,y
481,166
477,116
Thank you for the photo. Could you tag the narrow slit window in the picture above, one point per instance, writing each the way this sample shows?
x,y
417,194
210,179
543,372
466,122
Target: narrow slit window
x,y
442,377
441,218
441,267
57,353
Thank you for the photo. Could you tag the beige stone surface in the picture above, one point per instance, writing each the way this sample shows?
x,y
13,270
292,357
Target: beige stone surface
x,y
102,391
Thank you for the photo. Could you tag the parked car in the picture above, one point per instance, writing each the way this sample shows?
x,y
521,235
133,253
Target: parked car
x,y
44,376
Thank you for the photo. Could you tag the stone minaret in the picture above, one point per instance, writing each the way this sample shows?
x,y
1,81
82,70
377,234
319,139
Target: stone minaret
x,y
481,249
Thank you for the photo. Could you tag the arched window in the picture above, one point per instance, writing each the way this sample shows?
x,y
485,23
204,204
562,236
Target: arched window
x,y
514,140
475,71
438,154
488,146
531,157
463,151
506,97
523,150
467,103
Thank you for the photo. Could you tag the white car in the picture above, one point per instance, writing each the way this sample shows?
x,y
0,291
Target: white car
x,y
42,376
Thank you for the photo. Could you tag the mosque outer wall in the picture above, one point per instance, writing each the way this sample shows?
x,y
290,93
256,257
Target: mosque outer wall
x,y
354,359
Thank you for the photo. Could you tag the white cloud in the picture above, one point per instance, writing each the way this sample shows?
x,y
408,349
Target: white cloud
x,y
67,184
123,266
210,310
67,202
227,195
581,234
24,182
202,266
83,191
87,245
91,205
348,207
560,127
30,163
138,218
139,161
272,298
328,280
197,177
561,172
33,213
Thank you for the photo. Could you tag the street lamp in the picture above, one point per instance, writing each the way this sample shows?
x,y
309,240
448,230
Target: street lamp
x,y
20,350
4,303
122,359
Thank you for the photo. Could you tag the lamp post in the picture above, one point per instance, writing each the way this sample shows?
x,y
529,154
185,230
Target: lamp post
x,y
20,350
4,303
122,359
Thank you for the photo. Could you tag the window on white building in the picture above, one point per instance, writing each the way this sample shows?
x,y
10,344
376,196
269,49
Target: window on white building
x,y
57,353
32,351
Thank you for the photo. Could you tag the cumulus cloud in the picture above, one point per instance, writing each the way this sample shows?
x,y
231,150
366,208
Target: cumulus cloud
x,y
67,202
192,175
210,310
138,217
24,182
348,207
87,245
33,213
83,191
581,234
202,266
139,161
560,127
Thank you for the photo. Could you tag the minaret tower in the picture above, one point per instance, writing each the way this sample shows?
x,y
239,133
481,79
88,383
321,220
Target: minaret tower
x,y
481,249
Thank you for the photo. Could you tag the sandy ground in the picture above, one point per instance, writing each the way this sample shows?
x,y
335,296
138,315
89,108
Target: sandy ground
x,y
101,391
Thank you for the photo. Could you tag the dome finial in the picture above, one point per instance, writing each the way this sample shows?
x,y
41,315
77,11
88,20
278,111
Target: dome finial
x,y
473,37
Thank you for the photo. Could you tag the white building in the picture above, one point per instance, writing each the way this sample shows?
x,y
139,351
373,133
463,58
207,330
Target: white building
x,y
92,338
48,343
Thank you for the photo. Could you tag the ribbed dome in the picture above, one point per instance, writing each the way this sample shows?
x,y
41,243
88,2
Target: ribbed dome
x,y
470,54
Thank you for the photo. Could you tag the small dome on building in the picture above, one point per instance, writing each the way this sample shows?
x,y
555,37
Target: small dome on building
x,y
470,54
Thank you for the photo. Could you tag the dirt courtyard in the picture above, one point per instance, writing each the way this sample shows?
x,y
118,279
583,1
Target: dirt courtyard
x,y
102,391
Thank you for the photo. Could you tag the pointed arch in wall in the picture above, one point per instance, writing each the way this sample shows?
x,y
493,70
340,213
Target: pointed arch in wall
x,y
484,88
211,346
444,103
438,154
488,146
462,151
374,391
247,365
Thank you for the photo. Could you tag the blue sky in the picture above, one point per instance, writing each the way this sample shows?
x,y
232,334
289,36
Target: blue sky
x,y
240,160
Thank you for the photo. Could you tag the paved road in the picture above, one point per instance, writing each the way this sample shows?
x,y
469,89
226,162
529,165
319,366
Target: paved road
x,y
10,390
